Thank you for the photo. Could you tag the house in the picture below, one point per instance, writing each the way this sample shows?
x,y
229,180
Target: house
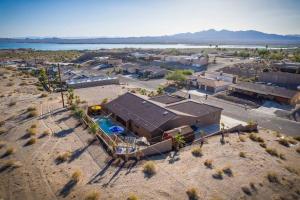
x,y
153,72
284,79
291,67
196,60
212,82
129,68
92,81
261,91
150,118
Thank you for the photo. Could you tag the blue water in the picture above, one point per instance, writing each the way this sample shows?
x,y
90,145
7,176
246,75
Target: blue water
x,y
105,124
54,47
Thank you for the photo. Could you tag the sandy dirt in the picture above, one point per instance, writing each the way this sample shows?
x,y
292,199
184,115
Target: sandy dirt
x,y
39,176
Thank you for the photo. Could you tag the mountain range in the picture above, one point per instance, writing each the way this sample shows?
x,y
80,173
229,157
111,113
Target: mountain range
x,y
202,37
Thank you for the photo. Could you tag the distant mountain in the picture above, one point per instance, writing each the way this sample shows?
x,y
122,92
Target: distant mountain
x,y
203,37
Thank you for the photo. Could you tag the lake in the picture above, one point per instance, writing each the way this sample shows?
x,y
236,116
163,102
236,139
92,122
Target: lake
x,y
54,47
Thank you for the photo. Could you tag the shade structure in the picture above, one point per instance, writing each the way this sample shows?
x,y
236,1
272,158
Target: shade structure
x,y
116,129
96,108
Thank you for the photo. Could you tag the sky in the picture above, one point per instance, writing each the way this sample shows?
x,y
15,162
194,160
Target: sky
x,y
109,18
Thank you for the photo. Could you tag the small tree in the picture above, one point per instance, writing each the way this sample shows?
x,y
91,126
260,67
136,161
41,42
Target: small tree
x,y
160,90
94,128
179,141
70,96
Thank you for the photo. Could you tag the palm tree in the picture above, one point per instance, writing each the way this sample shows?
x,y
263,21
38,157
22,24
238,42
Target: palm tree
x,y
179,141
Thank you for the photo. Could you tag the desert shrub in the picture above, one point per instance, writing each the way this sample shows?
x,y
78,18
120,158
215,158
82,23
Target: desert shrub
x,y
273,177
228,171
10,164
282,156
9,84
76,176
242,154
12,103
192,194
272,152
132,197
44,95
149,168
298,150
94,195
33,126
284,142
263,145
31,141
277,134
197,151
31,108
208,163
32,113
242,139
297,138
254,137
32,131
292,170
218,174
2,123
45,133
9,151
63,157
246,190
2,144
2,131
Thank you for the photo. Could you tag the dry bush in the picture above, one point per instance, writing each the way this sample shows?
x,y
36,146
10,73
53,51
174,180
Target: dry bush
x,y
292,170
76,176
242,154
272,152
242,138
2,144
31,108
192,194
282,156
43,95
10,164
218,174
284,142
197,152
32,131
263,145
132,197
45,133
10,84
273,177
254,137
33,126
228,171
31,141
298,150
9,151
94,195
12,103
32,113
149,168
246,190
2,131
208,163
2,123
297,138
63,157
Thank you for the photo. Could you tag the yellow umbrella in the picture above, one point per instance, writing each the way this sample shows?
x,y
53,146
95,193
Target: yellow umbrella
x,y
96,108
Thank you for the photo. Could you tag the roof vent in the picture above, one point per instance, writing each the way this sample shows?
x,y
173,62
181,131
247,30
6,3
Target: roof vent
x,y
166,112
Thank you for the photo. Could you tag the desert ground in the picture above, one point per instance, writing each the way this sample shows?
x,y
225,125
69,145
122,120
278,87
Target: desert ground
x,y
42,145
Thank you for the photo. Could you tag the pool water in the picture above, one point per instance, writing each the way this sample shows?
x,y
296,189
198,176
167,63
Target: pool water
x,y
105,125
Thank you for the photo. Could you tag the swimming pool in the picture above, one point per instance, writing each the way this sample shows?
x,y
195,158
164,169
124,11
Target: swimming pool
x,y
106,124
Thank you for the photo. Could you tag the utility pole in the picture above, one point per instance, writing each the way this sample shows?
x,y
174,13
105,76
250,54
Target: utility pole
x,y
61,89
49,83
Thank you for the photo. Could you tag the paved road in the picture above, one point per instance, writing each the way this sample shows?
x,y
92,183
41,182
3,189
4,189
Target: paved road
x,y
238,112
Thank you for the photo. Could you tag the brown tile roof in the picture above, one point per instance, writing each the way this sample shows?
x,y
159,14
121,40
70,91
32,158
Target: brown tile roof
x,y
194,108
167,99
142,112
265,89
